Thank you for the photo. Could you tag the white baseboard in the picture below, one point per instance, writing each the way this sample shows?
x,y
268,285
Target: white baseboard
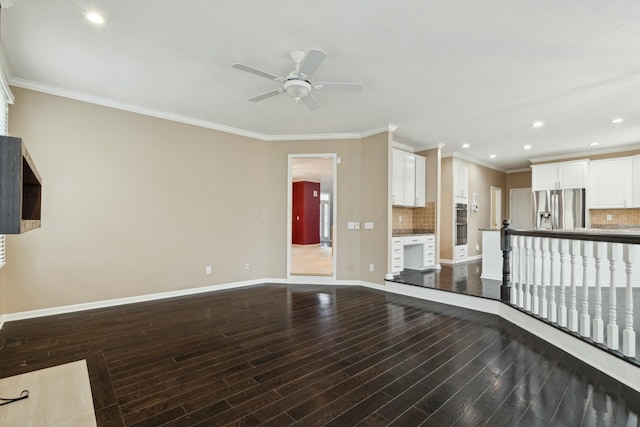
x,y
611,365
491,277
131,300
474,257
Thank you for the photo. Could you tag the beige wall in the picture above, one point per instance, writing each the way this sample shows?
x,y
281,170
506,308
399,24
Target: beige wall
x,y
375,206
481,179
446,209
136,205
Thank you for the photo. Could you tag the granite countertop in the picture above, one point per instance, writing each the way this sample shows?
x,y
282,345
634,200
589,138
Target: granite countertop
x,y
411,231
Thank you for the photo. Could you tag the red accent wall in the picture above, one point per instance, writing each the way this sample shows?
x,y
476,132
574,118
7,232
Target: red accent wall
x,y
306,213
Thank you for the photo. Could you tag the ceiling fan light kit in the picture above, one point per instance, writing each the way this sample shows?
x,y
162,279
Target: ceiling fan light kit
x,y
297,84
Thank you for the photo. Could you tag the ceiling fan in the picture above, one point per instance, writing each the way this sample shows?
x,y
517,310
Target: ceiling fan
x,y
297,83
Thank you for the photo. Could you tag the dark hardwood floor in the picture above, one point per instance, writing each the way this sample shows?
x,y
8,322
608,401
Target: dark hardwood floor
x,y
316,355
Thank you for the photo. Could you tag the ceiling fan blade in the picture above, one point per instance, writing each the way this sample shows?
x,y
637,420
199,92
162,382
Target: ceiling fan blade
x,y
267,95
312,61
257,72
311,102
339,87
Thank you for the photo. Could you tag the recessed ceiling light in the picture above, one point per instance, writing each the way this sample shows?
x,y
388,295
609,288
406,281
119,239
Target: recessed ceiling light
x,y
465,145
95,17
493,156
527,147
618,120
537,124
594,143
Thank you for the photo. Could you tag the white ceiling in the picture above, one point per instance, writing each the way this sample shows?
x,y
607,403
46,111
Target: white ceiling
x,y
442,71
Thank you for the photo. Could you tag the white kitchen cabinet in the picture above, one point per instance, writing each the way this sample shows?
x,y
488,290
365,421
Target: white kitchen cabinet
x,y
421,175
398,178
563,175
460,183
408,187
635,173
610,183
397,255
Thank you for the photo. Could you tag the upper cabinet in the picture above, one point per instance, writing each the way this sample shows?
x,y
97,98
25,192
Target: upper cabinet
x,y
635,173
408,187
610,183
555,176
460,183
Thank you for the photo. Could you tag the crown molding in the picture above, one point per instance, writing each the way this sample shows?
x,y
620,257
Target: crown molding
x,y
586,154
107,102
519,170
468,158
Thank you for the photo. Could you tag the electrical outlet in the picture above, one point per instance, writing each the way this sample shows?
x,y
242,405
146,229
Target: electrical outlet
x,y
357,226
370,267
207,269
609,217
350,266
247,266
477,247
400,218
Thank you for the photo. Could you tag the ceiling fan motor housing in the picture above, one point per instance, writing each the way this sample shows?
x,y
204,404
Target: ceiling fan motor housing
x,y
297,88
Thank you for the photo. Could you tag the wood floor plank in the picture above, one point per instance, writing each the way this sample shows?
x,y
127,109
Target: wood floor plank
x,y
279,355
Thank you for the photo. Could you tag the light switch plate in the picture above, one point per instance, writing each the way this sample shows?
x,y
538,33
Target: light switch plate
x,y
351,225
368,226
357,226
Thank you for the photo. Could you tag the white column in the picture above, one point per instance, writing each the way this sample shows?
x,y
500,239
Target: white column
x,y
553,311
535,274
562,308
585,319
544,244
628,334
527,273
598,324
612,327
574,250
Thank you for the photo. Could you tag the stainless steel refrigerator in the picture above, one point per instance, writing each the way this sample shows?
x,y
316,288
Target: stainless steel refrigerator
x,y
559,209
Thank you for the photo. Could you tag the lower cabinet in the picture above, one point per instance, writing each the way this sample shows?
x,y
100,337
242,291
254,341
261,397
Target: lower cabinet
x,y
397,255
459,253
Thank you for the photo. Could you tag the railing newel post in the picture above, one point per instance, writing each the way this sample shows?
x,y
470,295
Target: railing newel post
x,y
505,245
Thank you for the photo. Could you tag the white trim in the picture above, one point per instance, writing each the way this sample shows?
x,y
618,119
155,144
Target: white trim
x,y
601,360
107,102
527,169
474,257
131,300
585,155
5,70
457,155
446,261
302,278
491,277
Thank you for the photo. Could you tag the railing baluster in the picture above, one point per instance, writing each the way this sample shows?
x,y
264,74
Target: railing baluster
x,y
585,319
535,274
527,274
574,250
628,334
562,308
598,325
553,311
515,259
522,272
544,244
612,326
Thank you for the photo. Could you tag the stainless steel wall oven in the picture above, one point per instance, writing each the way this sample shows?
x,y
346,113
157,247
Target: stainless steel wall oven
x,y
461,224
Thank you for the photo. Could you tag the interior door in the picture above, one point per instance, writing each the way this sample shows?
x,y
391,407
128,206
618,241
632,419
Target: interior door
x,y
520,209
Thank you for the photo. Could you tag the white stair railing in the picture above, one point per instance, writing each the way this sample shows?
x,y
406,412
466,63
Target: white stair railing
x,y
548,264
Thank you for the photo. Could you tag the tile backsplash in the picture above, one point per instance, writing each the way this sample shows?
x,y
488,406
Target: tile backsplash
x,y
619,217
415,218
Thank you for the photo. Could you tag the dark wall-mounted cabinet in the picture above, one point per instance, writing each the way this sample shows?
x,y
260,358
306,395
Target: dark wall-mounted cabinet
x,y
20,188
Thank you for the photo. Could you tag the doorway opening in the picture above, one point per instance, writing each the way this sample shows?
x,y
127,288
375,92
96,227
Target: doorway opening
x,y
311,211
